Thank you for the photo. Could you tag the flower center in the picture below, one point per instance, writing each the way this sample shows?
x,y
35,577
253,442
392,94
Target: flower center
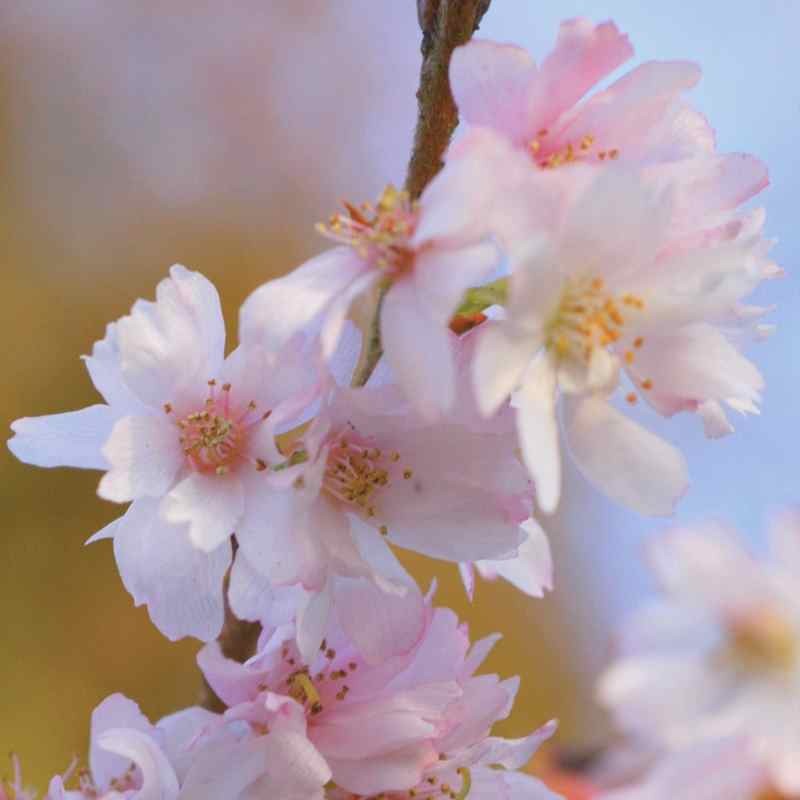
x,y
356,472
589,316
213,437
549,156
379,233
763,640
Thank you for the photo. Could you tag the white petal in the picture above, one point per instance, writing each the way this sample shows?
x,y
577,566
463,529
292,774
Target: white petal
x,y
159,781
631,465
502,355
312,620
211,504
280,308
418,350
181,585
175,342
74,439
538,432
532,570
116,711
144,454
443,275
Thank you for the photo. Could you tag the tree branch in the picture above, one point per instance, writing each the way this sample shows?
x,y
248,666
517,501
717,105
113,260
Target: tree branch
x,y
445,25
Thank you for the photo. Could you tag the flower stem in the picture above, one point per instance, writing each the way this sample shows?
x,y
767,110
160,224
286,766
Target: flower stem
x,y
445,25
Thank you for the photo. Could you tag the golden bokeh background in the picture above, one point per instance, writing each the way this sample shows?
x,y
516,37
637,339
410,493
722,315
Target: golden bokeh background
x,y
134,136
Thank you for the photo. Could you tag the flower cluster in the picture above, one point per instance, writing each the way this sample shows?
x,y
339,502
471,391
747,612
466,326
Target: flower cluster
x,y
575,256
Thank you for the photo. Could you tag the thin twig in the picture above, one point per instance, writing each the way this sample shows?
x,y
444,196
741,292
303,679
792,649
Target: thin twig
x,y
445,25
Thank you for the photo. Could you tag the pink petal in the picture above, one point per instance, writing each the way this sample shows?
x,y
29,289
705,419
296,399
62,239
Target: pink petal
x,y
538,432
492,86
417,348
628,463
145,456
212,505
622,116
73,439
584,54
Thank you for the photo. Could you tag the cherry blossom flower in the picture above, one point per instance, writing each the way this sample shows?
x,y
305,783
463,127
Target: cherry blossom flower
x,y
185,434
424,255
725,639
604,300
194,755
638,119
419,719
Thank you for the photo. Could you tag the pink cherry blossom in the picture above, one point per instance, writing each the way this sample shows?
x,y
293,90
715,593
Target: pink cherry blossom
x,y
184,433
423,254
605,302
725,639
639,118
413,720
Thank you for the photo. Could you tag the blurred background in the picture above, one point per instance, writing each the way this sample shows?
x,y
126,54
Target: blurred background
x,y
139,134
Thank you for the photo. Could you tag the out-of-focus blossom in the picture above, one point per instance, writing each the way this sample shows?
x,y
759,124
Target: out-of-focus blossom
x,y
14,789
717,770
424,255
184,434
603,301
719,655
408,724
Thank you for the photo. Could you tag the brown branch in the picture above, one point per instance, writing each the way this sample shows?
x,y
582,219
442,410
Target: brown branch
x,y
445,25
237,640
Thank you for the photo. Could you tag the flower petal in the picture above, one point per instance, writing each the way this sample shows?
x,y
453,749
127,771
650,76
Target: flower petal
x,y
73,439
280,308
211,504
418,350
145,456
159,781
168,346
491,84
631,465
181,585
538,432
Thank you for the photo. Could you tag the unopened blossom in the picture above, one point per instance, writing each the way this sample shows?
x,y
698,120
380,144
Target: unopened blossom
x,y
184,433
724,641
603,304
416,722
422,254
